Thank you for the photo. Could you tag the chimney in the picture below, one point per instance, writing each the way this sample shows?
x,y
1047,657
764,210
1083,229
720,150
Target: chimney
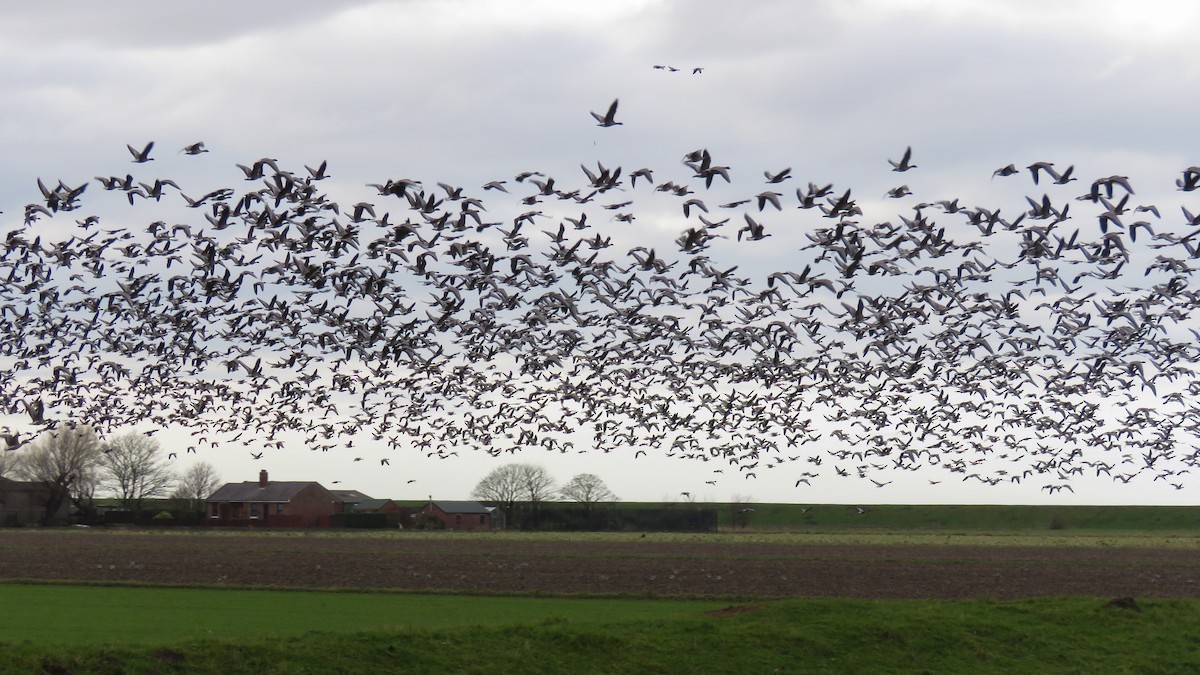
x,y
262,478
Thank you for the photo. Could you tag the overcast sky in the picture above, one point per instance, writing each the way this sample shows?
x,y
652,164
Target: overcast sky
x,y
471,91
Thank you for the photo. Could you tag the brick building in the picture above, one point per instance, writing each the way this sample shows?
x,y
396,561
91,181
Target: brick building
x,y
274,504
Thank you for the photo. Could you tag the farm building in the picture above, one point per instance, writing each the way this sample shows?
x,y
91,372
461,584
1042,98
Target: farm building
x,y
24,503
375,506
349,499
469,516
376,513
275,503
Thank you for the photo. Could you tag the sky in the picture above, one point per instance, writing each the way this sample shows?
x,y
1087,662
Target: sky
x,y
470,91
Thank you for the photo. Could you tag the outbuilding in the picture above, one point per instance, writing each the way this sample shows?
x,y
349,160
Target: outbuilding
x,y
459,515
24,503
375,506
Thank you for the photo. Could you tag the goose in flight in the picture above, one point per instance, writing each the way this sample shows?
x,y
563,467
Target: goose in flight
x,y
36,410
1048,167
608,119
11,440
905,162
769,197
1064,177
143,156
1005,171
645,174
319,172
778,176
754,227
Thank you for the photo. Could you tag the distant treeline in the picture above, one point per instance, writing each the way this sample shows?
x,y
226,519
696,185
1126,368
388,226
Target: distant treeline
x,y
713,516
955,518
557,517
839,517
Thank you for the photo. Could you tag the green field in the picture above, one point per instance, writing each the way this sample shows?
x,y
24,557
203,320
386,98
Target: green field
x,y
67,614
75,628
82,629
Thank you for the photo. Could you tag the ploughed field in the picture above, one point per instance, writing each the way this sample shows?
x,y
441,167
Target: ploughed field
x,y
708,565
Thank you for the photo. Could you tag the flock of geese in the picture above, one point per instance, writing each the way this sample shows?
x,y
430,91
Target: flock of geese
x,y
1038,345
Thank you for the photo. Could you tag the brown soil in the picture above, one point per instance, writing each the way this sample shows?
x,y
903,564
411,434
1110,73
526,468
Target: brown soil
x,y
642,566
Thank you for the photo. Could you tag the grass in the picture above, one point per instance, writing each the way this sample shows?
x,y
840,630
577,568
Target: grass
x,y
83,629
85,614
519,635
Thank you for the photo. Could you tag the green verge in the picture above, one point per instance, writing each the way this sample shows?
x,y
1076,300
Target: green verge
x,y
82,614
528,635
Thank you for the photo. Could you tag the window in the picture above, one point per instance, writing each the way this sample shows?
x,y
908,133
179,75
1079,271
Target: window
x,y
279,509
458,520
254,509
216,513
481,519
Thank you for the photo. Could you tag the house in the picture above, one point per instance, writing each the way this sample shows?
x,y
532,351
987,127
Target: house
x,y
273,503
467,516
24,503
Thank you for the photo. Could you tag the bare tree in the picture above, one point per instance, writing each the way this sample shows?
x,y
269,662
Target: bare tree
x,y
587,489
66,458
502,486
136,469
508,484
536,482
195,485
